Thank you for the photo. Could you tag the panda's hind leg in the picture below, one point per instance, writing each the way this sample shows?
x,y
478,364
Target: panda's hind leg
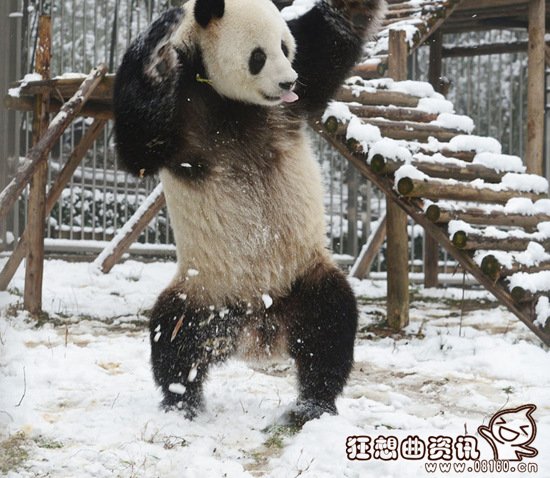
x,y
185,341
322,321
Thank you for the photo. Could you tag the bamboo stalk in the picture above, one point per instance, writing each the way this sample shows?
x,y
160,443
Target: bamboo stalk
x,y
479,216
435,190
17,255
473,241
38,153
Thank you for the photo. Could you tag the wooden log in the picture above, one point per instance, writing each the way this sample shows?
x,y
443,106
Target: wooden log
x,y
397,257
17,255
435,190
484,49
473,241
381,165
378,98
535,88
128,234
65,88
36,210
374,68
491,267
393,113
479,216
362,265
412,131
39,151
90,109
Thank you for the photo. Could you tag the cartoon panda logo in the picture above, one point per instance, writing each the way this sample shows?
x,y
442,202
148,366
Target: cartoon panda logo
x,y
510,432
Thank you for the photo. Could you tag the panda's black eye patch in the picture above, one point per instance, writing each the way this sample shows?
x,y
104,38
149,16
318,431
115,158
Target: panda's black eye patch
x,y
284,48
256,61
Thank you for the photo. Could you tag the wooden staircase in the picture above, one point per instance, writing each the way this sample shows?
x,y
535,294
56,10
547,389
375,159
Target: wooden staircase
x,y
478,204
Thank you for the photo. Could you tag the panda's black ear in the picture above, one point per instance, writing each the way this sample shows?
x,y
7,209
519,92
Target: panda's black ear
x,y
206,10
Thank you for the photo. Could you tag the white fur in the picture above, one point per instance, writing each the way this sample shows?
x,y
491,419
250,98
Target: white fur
x,y
247,240
227,43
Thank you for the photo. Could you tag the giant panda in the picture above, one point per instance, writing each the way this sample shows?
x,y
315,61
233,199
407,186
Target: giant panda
x,y
214,97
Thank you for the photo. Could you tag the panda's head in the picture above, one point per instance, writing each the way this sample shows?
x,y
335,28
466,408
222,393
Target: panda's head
x,y
247,50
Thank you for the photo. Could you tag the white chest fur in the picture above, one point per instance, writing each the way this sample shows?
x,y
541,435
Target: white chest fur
x,y
247,239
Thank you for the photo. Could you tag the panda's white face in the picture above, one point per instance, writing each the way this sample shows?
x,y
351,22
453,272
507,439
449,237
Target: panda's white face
x,y
248,53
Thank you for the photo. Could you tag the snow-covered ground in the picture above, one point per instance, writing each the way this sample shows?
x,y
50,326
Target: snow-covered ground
x,y
77,398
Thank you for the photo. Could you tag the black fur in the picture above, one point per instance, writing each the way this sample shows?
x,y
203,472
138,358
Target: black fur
x,y
206,10
318,317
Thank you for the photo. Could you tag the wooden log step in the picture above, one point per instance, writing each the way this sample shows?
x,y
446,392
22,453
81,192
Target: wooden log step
x,y
474,241
523,296
434,190
374,68
492,267
65,88
441,170
467,156
412,131
393,113
378,98
439,215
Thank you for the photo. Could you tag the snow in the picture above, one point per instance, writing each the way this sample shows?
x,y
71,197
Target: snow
x,y
435,105
542,310
499,162
390,149
478,144
408,171
532,282
364,133
88,404
525,182
459,122
339,110
267,300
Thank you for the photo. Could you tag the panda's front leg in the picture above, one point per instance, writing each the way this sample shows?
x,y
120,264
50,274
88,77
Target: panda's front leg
x,y
185,341
322,321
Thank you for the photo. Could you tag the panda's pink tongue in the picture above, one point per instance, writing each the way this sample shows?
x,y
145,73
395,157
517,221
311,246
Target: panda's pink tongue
x,y
289,97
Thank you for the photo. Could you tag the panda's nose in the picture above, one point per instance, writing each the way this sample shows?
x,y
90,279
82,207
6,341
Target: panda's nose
x,y
286,85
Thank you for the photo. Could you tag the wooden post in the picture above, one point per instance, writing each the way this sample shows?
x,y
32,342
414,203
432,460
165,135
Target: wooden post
x,y
397,250
431,248
36,216
535,88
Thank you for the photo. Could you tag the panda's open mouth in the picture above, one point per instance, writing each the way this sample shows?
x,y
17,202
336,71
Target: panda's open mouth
x,y
285,97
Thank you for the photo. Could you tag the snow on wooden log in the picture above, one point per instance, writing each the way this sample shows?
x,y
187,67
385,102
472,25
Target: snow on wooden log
x,y
438,169
393,113
39,152
377,97
471,239
433,189
372,68
67,87
131,230
479,216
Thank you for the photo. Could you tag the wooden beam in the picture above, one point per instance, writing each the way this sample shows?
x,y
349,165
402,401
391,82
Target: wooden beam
x,y
36,211
38,153
397,255
535,88
431,248
92,109
362,265
127,235
484,49
17,255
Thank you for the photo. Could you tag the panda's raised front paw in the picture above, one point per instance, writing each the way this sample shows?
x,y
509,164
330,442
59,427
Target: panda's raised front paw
x,y
162,63
305,410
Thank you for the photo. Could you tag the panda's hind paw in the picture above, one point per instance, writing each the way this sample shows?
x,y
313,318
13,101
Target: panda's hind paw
x,y
305,410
